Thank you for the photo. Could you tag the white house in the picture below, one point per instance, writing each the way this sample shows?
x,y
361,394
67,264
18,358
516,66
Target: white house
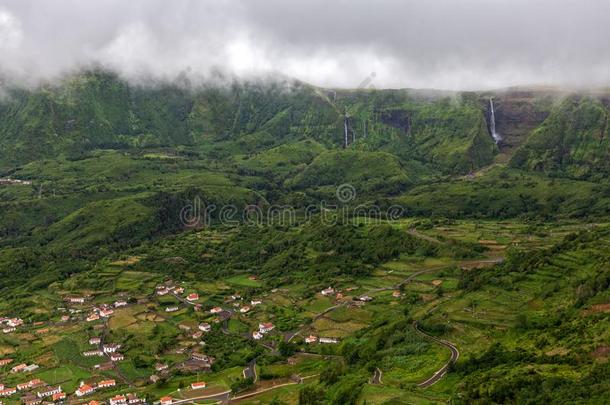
x,y
48,391
106,384
111,347
265,327
84,389
117,357
118,400
205,327
311,339
327,291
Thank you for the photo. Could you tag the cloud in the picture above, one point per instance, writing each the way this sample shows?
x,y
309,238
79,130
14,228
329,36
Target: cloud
x,y
466,44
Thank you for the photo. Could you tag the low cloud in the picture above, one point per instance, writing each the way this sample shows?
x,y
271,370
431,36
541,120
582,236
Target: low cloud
x,y
466,44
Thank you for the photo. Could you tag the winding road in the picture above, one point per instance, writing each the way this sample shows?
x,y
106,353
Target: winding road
x,y
440,373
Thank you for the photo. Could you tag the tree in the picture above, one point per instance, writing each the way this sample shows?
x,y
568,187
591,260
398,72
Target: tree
x,y
312,395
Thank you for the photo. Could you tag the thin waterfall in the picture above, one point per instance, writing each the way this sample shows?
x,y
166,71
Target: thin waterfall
x,y
492,125
345,129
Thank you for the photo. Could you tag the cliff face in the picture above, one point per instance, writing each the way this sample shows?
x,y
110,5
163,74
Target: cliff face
x,y
517,114
572,142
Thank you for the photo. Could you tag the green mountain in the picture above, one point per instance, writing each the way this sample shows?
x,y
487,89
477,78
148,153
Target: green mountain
x,y
572,142
435,238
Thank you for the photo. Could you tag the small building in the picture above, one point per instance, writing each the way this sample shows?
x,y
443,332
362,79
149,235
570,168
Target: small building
x,y
105,313
4,362
93,317
48,391
161,366
166,400
172,309
205,327
216,310
31,368
118,304
19,368
244,309
265,327
192,297
111,347
31,399
178,290
95,341
327,291
365,298
60,396
311,339
118,400
7,392
106,384
255,302
396,294
117,357
198,385
84,389
91,353
256,335
76,300
328,340
133,399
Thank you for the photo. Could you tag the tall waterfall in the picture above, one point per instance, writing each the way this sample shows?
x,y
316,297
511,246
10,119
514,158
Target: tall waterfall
x,y
345,129
492,125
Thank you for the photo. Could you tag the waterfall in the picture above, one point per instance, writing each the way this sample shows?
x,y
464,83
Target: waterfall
x,y
345,129
492,125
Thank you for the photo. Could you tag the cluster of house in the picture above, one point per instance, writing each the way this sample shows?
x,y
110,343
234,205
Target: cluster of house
x,y
169,288
330,291
104,310
35,391
10,324
24,368
313,339
86,389
263,328
110,350
125,399
6,181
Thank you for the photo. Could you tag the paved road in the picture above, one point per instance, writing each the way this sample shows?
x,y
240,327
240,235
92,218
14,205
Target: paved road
x,y
223,397
440,373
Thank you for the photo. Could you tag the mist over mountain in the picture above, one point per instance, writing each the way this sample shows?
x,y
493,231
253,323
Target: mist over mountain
x,y
471,44
313,203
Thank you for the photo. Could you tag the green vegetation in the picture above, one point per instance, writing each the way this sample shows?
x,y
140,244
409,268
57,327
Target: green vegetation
x,y
507,261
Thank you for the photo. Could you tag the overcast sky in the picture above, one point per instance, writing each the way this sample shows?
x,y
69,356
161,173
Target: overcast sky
x,y
449,44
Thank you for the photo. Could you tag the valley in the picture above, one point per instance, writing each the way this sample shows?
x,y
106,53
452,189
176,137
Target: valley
x,y
228,245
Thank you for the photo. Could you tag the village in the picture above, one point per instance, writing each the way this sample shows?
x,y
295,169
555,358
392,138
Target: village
x,y
236,317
